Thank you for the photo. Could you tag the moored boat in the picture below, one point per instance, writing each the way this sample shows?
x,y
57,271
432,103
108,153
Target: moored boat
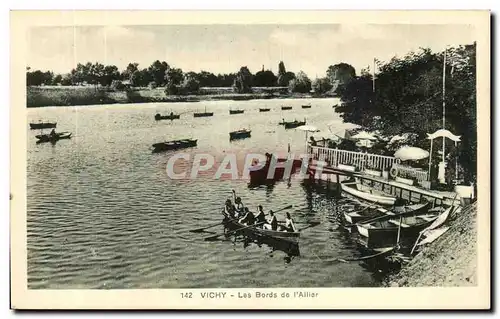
x,y
258,231
171,116
359,215
408,223
306,106
259,173
174,145
239,134
264,110
294,124
236,111
284,108
203,114
44,138
367,193
42,125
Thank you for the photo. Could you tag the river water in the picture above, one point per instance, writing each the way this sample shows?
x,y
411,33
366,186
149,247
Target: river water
x,y
103,213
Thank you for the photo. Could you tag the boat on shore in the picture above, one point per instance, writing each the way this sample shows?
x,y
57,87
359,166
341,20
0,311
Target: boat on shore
x,y
240,134
236,112
42,125
360,215
171,116
306,106
174,145
264,110
367,193
408,223
259,232
285,108
44,138
294,124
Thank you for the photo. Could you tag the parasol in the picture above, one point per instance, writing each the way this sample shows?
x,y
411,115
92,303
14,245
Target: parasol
x,y
307,129
411,153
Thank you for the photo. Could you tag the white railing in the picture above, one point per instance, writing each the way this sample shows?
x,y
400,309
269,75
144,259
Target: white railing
x,y
411,172
361,161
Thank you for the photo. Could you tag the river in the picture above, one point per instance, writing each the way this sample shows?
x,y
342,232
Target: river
x,y
103,213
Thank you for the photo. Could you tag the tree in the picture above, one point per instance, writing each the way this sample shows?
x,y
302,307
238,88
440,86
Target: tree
x,y
190,85
265,79
243,81
284,79
340,74
321,85
129,70
300,84
281,68
157,71
174,76
109,74
57,79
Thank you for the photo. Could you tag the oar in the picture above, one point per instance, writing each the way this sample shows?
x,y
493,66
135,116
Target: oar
x,y
198,230
233,231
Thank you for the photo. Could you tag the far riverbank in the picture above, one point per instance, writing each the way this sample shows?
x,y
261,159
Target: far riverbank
x,y
73,96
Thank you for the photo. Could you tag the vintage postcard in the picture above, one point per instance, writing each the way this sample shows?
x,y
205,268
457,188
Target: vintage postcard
x,y
250,160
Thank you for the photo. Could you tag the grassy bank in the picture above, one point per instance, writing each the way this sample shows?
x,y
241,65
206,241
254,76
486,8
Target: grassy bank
x,y
449,261
68,96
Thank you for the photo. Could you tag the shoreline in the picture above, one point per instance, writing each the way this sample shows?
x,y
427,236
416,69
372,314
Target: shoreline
x,y
53,97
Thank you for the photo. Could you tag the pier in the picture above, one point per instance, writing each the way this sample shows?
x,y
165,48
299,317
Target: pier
x,y
384,173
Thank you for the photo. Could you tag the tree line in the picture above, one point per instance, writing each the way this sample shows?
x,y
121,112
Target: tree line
x,y
176,81
408,97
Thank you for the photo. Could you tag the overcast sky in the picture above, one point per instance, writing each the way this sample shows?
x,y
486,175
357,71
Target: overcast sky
x,y
225,48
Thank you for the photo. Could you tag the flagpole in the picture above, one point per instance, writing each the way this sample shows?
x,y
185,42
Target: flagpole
x,y
374,74
444,101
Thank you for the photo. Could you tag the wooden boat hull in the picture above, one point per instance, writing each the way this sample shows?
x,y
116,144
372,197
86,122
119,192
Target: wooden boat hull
x,y
306,106
44,138
174,145
358,216
290,125
203,114
239,135
236,112
261,175
264,110
159,117
39,126
352,188
233,224
286,108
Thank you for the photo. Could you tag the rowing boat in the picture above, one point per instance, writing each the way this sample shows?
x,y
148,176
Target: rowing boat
x,y
294,124
286,108
44,138
388,225
355,216
236,111
159,117
174,145
233,224
367,193
236,135
264,110
42,125
306,106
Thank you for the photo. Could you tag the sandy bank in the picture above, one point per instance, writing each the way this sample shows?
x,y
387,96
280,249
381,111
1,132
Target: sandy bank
x,y
449,261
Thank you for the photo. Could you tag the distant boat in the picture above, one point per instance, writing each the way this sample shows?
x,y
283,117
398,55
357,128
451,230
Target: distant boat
x,y
203,114
286,108
174,145
172,116
44,138
42,125
307,106
264,110
294,124
239,134
236,111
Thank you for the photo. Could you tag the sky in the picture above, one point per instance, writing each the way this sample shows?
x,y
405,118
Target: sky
x,y
225,48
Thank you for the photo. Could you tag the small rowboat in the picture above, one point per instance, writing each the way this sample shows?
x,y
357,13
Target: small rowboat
x,y
233,224
236,135
355,216
203,114
367,193
264,110
294,124
307,106
159,117
236,111
387,226
42,125
44,138
285,108
174,145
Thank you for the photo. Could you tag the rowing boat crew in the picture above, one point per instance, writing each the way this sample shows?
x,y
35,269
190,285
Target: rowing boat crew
x,y
246,217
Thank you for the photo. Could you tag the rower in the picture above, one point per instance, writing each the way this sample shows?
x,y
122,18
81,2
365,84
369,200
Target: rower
x,y
248,219
261,217
289,225
53,132
272,223
239,207
229,208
